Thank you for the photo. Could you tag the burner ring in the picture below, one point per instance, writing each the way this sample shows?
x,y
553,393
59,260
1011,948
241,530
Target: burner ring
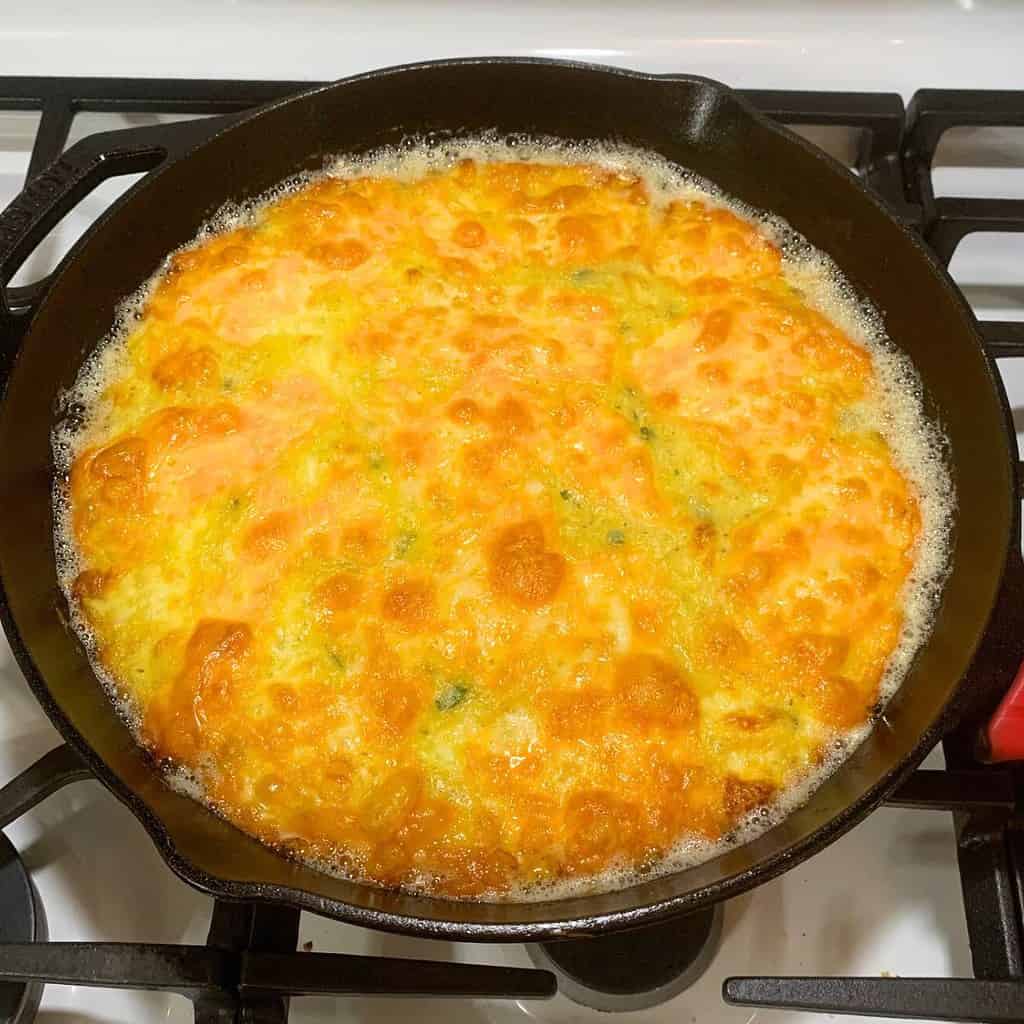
x,y
636,969
21,920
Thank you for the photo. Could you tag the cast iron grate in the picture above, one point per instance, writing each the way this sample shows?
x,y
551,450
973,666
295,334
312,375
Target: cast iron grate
x,y
249,968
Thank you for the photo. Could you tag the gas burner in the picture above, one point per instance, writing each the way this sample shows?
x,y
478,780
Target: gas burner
x,y
637,969
21,920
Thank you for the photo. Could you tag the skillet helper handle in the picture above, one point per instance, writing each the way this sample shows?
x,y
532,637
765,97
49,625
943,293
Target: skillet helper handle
x,y
48,196
52,193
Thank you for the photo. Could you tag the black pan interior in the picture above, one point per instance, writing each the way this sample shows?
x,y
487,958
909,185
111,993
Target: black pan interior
x,y
697,124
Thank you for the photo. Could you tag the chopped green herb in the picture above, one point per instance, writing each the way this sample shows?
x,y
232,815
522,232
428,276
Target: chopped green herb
x,y
565,495
616,537
451,697
406,539
235,504
338,660
582,276
646,433
700,509
228,384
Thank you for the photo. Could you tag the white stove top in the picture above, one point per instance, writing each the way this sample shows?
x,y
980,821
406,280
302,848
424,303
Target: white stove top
x,y
883,900
796,44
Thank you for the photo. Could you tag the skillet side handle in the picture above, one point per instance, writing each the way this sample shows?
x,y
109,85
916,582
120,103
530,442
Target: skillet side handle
x,y
51,194
1003,738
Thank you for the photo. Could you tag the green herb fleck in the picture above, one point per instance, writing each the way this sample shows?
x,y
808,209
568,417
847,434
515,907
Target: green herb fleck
x,y
406,539
700,509
646,433
582,276
616,537
338,660
451,697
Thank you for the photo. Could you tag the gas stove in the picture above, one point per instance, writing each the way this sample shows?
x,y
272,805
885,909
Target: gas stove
x,y
916,912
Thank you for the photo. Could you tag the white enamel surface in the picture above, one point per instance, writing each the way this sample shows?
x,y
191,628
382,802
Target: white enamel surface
x,y
790,44
883,900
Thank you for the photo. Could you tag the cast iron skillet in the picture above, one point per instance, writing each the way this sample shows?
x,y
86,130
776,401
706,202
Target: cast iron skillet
x,y
694,122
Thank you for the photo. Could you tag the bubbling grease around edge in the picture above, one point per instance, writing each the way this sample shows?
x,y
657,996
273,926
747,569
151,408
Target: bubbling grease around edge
x,y
895,411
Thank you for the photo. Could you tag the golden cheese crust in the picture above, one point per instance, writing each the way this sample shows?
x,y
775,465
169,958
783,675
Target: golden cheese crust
x,y
492,528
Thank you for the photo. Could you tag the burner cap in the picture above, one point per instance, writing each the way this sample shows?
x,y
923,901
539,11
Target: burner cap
x,y
636,969
21,920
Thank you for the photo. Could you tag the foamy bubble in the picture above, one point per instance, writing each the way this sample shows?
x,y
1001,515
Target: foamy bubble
x,y
896,411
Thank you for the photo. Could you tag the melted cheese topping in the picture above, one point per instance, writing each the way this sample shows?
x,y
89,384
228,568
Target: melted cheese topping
x,y
492,528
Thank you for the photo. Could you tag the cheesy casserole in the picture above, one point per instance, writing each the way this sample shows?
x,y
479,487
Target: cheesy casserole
x,y
491,528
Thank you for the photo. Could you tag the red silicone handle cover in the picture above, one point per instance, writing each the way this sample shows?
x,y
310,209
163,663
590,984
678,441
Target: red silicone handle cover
x,y
1005,730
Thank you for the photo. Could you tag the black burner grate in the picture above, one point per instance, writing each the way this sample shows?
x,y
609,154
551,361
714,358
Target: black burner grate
x,y
249,967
